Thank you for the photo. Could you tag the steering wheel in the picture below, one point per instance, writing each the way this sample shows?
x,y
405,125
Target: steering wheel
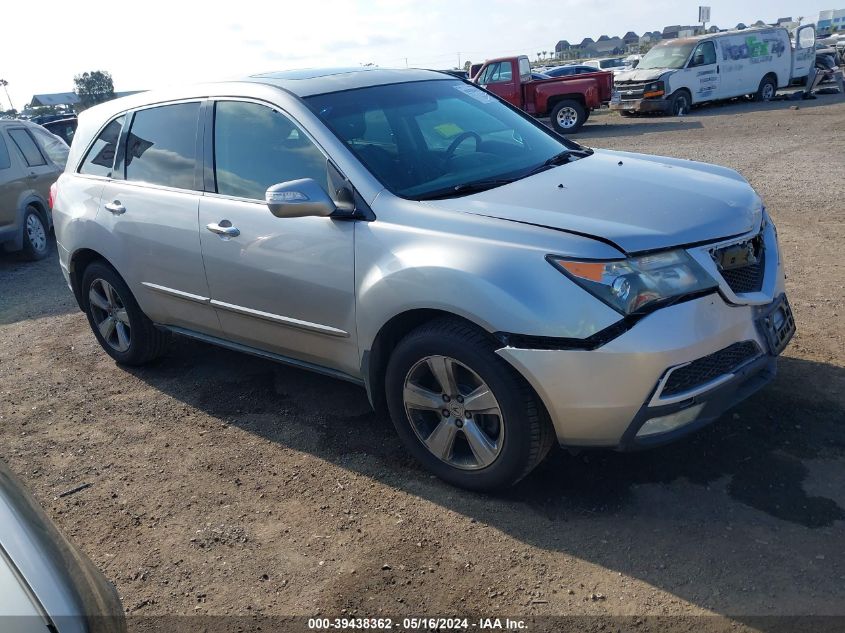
x,y
450,151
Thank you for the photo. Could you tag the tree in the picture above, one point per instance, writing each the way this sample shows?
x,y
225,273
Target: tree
x,y
93,88
5,83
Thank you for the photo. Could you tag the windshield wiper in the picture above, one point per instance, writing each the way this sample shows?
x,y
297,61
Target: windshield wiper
x,y
560,158
465,188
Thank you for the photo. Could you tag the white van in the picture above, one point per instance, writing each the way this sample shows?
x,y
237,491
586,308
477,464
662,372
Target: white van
x,y
677,74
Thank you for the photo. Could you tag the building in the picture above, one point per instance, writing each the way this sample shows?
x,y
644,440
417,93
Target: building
x,y
830,21
54,99
563,50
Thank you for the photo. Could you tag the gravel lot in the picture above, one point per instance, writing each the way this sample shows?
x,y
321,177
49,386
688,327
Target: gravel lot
x,y
224,484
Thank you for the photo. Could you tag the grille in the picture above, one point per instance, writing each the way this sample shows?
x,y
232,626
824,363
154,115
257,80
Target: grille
x,y
742,279
745,279
632,90
703,370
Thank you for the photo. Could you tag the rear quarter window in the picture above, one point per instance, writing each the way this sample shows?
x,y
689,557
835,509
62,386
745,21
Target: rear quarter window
x,y
100,158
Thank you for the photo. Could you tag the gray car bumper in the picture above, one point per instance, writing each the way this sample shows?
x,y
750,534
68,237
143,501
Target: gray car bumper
x,y
605,397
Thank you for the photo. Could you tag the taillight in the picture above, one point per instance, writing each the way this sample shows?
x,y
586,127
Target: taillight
x,y
54,189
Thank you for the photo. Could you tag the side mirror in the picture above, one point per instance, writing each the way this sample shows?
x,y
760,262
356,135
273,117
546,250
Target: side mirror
x,y
299,198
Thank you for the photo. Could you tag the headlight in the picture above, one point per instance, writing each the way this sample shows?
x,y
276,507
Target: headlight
x,y
654,89
638,284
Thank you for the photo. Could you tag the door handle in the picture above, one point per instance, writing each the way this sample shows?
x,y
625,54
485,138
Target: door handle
x,y
224,229
115,207
32,175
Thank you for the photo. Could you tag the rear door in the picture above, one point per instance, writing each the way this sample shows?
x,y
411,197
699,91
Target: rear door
x,y
284,285
39,172
11,188
804,54
150,207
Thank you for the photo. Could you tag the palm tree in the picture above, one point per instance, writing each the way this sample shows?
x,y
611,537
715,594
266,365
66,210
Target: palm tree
x,y
545,53
538,56
5,83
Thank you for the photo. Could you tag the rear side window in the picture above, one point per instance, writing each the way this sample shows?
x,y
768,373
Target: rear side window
x,y
53,146
5,162
31,154
100,158
256,147
162,146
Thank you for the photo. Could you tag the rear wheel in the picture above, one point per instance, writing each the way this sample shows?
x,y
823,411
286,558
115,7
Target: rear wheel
x,y
766,91
35,241
461,410
121,328
567,116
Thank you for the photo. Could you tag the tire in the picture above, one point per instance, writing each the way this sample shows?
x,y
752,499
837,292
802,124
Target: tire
x,y
680,101
627,113
766,91
36,240
517,439
567,116
129,337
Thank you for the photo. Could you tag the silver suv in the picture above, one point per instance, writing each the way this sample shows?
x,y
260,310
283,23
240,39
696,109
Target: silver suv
x,y
491,284
31,159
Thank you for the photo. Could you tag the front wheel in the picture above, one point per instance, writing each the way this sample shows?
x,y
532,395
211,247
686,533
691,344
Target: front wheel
x,y
461,410
567,116
118,323
679,103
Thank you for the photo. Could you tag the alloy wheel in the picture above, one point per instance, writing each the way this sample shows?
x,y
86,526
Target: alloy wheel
x,y
110,316
36,233
454,413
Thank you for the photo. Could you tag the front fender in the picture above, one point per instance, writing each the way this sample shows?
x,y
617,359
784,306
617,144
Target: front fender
x,y
489,271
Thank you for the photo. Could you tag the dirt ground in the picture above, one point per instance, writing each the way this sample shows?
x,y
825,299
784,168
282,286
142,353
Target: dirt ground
x,y
228,485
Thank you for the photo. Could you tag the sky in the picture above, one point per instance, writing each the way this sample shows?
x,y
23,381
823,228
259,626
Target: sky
x,y
150,44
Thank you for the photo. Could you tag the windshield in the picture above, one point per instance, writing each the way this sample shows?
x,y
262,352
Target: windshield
x,y
420,138
668,55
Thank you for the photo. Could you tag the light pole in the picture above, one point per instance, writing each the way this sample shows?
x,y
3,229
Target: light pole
x,y
5,83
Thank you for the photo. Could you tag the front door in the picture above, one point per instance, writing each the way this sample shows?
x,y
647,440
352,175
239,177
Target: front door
x,y
283,285
703,74
500,79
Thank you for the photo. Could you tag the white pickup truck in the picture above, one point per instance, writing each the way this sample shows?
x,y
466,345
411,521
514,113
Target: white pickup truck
x,y
676,74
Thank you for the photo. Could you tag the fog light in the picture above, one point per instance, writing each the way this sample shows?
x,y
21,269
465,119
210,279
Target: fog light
x,y
670,422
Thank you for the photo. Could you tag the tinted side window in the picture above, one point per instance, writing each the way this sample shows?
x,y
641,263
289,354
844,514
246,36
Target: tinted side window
x,y
5,162
26,144
161,147
256,147
100,158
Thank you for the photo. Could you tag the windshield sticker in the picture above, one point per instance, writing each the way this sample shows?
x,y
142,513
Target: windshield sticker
x,y
475,93
447,130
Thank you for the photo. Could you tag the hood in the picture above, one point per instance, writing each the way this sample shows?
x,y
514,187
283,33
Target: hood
x,y
644,203
641,75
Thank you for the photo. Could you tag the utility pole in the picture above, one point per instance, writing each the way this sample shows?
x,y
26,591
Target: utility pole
x,y
406,62
5,83
459,59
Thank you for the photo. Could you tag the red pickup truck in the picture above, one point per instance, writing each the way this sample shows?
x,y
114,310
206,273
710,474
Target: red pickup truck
x,y
566,100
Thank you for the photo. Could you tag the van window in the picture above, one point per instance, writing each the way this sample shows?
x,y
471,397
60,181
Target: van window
x,y
256,147
100,158
162,146
5,161
704,55
28,147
